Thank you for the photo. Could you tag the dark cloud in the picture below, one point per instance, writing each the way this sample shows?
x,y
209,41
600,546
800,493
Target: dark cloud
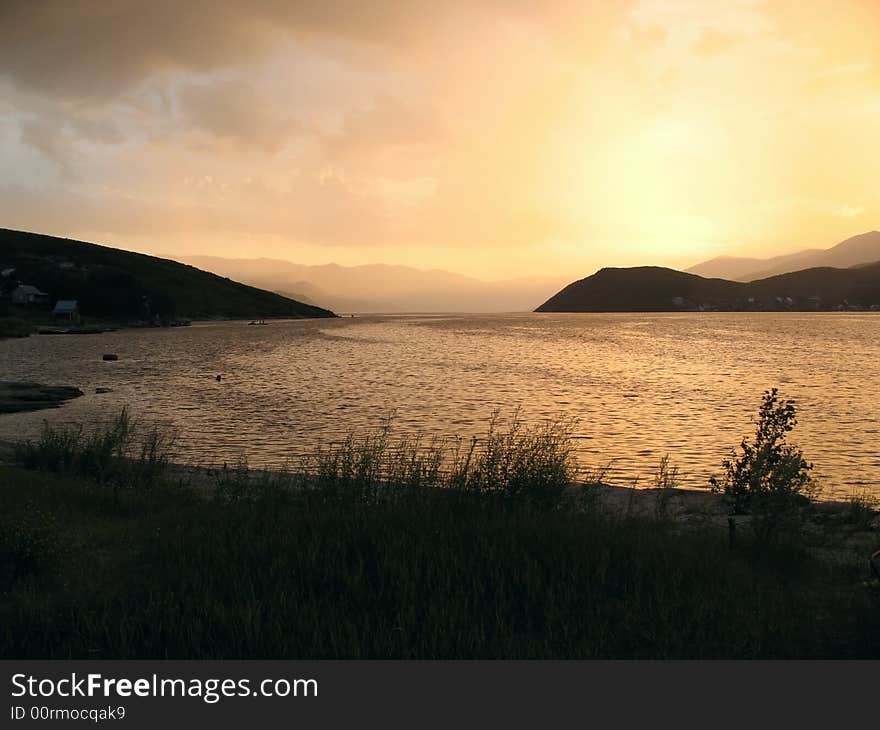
x,y
98,49
95,49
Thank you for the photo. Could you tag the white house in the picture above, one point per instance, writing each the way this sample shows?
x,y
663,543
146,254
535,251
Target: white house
x,y
26,294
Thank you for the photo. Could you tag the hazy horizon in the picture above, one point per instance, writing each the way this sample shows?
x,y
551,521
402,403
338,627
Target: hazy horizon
x,y
487,279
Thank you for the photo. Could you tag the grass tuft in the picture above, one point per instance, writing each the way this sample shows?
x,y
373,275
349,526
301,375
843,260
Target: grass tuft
x,y
114,453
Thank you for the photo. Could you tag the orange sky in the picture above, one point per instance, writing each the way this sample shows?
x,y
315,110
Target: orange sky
x,y
494,138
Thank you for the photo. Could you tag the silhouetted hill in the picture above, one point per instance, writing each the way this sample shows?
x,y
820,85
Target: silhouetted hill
x,y
856,287
638,289
855,251
656,289
122,285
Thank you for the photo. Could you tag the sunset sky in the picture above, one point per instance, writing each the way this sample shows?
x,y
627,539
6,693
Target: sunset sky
x,y
497,138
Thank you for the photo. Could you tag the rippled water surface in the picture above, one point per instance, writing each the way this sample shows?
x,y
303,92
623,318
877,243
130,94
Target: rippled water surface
x,y
640,385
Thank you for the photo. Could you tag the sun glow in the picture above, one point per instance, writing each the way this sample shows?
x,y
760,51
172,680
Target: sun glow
x,y
496,140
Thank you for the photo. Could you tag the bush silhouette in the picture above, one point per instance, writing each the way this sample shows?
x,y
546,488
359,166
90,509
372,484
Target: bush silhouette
x,y
769,478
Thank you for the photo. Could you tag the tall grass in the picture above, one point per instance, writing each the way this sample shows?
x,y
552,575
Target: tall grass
x,y
282,575
526,465
862,510
665,481
118,453
532,465
392,547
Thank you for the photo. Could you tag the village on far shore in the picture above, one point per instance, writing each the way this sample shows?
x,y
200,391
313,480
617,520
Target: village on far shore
x,y
52,285
49,315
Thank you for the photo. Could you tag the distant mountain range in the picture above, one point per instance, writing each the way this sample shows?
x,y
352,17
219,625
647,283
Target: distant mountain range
x,y
112,283
120,285
382,287
855,251
653,289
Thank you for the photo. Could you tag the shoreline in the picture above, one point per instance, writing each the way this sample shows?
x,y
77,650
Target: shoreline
x,y
683,506
18,327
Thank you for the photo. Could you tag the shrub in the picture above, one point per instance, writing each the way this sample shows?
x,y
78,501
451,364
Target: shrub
x,y
769,478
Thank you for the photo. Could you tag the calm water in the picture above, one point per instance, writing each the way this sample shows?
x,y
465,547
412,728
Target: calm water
x,y
640,385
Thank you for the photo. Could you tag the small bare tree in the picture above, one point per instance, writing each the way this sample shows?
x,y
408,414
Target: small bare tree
x,y
770,477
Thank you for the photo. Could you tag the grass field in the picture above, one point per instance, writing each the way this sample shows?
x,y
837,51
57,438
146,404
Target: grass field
x,y
340,563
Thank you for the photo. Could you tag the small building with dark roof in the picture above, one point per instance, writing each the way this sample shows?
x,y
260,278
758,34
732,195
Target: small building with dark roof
x,y
66,309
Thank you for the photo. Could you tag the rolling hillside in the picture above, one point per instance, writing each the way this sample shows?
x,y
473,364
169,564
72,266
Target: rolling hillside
x,y
123,286
656,289
855,251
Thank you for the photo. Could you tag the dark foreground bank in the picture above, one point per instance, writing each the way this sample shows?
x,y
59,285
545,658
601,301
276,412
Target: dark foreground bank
x,y
382,548
262,572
